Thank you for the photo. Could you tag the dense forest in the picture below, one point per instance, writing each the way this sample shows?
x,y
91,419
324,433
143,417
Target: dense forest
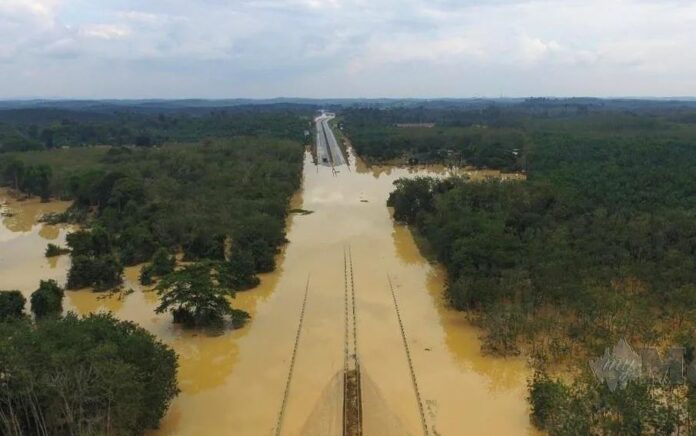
x,y
410,135
598,244
493,133
24,129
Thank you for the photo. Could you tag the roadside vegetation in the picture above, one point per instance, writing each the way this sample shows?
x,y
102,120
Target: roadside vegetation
x,y
598,244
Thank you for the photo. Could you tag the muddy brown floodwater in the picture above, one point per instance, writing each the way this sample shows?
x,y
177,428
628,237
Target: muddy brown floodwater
x,y
233,384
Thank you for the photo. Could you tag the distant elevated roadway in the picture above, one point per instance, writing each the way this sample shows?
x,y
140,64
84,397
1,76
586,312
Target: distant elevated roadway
x,y
329,153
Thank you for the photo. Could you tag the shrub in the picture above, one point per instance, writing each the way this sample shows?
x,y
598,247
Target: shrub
x,y
54,250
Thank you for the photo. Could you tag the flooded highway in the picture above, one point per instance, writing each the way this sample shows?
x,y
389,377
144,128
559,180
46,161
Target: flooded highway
x,y
328,151
234,383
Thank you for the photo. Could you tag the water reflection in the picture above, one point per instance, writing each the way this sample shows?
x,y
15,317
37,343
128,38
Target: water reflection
x,y
405,247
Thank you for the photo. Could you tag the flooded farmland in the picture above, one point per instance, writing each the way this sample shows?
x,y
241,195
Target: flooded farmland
x,y
234,384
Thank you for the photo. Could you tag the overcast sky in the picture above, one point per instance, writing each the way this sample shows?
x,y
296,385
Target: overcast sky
x,y
346,48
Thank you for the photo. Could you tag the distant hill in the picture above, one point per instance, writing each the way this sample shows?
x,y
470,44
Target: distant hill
x,y
201,106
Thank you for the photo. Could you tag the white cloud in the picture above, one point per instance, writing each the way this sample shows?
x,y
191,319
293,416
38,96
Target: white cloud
x,y
220,48
105,31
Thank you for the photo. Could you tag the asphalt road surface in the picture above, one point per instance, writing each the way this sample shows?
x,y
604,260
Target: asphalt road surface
x,y
328,151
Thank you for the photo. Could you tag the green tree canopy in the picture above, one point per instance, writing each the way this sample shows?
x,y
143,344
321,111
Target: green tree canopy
x,y
195,299
47,300
11,305
92,375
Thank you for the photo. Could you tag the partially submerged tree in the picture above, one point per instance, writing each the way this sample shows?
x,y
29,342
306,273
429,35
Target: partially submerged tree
x,y
47,300
93,261
162,264
196,300
102,273
239,273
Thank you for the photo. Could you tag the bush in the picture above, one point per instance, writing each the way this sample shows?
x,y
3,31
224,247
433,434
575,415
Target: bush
x,y
146,275
54,250
47,300
11,305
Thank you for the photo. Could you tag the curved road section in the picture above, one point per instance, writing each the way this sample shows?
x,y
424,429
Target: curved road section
x,y
328,151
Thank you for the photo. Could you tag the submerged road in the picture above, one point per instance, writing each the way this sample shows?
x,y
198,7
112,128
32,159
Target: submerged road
x,y
329,153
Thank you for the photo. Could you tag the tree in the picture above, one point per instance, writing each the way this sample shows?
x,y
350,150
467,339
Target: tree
x,y
100,272
194,300
411,197
14,172
11,305
146,278
240,272
47,137
162,262
81,243
143,140
47,300
136,244
79,376
93,261
36,181
126,189
44,176
204,245
545,397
